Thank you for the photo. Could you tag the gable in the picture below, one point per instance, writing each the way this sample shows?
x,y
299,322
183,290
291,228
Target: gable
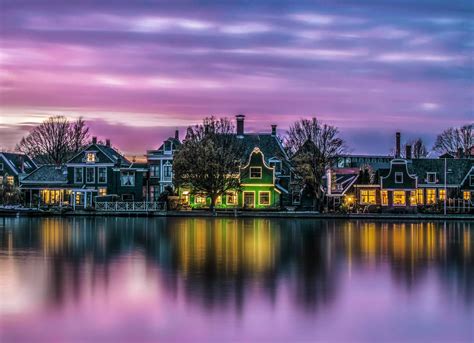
x,y
398,176
249,173
102,156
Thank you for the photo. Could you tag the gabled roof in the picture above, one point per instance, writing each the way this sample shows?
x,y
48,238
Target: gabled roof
x,y
457,169
47,174
15,161
160,151
269,145
113,155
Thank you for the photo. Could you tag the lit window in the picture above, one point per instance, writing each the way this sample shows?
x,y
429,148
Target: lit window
x,y
413,198
442,194
200,200
90,175
399,198
102,192
466,195
78,175
431,177
90,157
231,198
10,180
430,196
264,198
398,177
102,171
419,196
127,178
367,196
255,172
384,195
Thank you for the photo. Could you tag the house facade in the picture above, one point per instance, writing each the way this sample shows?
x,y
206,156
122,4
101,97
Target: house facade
x,y
14,167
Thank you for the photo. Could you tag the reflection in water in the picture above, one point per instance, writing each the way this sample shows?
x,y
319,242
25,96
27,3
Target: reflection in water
x,y
301,269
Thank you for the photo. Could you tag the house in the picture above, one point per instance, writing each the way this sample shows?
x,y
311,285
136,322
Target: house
x,y
265,174
160,166
97,171
14,167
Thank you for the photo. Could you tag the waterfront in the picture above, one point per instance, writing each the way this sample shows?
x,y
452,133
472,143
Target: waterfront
x,y
247,279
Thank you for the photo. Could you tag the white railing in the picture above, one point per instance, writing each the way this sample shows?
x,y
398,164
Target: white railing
x,y
129,206
460,205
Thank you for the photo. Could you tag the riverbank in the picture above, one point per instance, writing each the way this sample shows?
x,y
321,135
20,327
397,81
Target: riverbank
x,y
250,214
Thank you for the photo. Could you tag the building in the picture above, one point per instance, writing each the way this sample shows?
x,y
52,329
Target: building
x,y
14,167
98,171
160,166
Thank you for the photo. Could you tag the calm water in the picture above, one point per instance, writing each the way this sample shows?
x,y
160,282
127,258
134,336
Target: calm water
x,y
141,279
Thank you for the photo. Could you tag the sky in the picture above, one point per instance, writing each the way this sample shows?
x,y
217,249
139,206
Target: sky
x,y
138,70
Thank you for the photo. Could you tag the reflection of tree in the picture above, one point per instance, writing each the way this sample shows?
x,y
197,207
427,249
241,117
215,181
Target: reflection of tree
x,y
219,262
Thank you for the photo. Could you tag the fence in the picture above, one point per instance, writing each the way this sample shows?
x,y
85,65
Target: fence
x,y
459,205
141,206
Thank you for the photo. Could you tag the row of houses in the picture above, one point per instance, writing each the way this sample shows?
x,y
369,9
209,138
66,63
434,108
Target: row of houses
x,y
100,173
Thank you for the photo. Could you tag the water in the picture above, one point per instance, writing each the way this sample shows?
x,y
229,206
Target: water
x,y
180,279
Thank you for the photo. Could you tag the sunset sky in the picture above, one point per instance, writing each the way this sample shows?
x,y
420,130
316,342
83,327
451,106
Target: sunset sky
x,y
137,70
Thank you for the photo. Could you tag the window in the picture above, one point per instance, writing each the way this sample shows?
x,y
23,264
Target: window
x,y
413,198
249,199
384,195
90,175
431,177
231,198
78,175
430,196
441,194
155,170
167,170
367,196
102,192
1,180
1,166
466,195
398,177
127,178
419,197
200,199
102,171
255,172
10,180
399,198
90,157
471,180
264,198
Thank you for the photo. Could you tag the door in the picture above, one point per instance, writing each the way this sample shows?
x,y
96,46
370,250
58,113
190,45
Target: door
x,y
249,199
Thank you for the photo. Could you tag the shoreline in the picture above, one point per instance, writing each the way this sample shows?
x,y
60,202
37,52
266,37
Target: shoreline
x,y
248,214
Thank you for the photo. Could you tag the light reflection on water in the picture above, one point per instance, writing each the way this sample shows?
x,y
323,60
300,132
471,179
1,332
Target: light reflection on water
x,y
176,279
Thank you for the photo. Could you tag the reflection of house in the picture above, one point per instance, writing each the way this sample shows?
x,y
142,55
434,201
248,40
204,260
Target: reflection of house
x,y
160,165
264,175
98,170
13,167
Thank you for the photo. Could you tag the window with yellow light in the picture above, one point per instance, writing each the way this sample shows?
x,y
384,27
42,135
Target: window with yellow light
x,y
430,196
90,157
384,195
420,196
442,194
367,196
466,195
413,198
399,198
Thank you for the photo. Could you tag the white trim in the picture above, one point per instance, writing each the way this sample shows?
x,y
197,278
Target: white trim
x,y
88,164
467,175
12,167
75,179
93,169
254,198
255,178
98,174
428,177
398,174
269,198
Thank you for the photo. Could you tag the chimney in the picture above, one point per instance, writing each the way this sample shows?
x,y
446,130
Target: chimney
x,y
240,125
397,145
460,153
94,140
176,135
408,152
107,143
274,130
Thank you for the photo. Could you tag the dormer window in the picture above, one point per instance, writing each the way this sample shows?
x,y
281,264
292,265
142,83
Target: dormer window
x,y
91,157
398,177
168,147
431,177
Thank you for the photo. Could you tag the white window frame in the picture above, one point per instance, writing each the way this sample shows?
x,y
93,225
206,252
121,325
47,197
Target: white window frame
x,y
428,174
165,167
254,198
93,173
233,194
128,172
398,174
102,190
155,170
471,180
87,153
250,173
98,175
269,198
75,174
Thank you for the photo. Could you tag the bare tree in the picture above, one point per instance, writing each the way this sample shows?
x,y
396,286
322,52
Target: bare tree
x,y
55,140
208,161
313,147
418,148
453,140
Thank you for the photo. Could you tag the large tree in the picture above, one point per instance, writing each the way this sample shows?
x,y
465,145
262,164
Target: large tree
x,y
453,140
313,147
55,140
209,159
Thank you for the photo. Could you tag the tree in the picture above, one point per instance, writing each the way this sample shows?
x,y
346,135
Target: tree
x,y
209,159
454,140
55,140
9,193
313,147
418,148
